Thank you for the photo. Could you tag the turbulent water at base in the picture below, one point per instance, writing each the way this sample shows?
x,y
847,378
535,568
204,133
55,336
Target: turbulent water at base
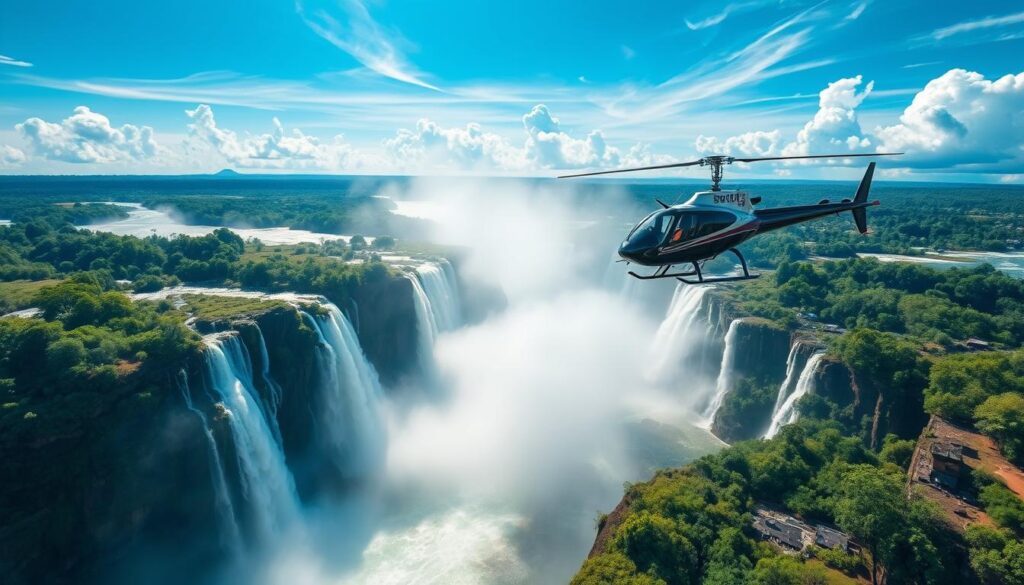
x,y
725,374
349,395
267,484
787,412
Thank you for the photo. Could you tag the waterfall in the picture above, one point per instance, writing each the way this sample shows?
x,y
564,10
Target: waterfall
x,y
438,309
266,482
787,412
230,534
787,383
725,374
680,334
349,395
441,294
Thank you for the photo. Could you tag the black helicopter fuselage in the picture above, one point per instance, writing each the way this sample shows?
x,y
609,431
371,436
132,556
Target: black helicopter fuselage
x,y
716,221
692,233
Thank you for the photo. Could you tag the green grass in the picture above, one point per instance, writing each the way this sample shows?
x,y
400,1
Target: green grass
x,y
212,308
18,294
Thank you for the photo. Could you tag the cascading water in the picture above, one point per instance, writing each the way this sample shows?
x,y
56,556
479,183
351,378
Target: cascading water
x,y
230,534
266,483
725,374
787,383
349,395
438,309
787,413
681,335
442,294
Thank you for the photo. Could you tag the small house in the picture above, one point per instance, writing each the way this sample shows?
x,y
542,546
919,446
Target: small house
x,y
826,537
947,464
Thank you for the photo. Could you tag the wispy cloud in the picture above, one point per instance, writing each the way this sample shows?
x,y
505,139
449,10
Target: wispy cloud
x,y
980,24
5,60
925,64
857,11
719,18
356,32
628,52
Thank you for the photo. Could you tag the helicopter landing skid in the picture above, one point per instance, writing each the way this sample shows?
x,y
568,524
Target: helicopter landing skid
x,y
663,272
702,280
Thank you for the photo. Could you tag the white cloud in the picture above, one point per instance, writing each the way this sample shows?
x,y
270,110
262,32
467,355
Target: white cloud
x,y
550,147
857,11
358,34
962,118
5,60
546,146
11,156
88,137
835,127
469,148
278,149
756,143
980,24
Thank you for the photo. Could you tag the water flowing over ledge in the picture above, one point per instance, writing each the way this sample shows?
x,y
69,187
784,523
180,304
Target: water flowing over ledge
x,y
787,413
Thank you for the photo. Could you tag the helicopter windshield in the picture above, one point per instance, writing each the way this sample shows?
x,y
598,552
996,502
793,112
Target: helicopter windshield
x,y
652,231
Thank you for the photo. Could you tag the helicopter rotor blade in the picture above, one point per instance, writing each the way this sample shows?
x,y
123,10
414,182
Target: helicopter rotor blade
x,y
744,160
671,166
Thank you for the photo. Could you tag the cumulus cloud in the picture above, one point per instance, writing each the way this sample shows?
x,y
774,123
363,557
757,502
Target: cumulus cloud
x,y
962,118
550,147
756,143
546,146
11,156
88,137
277,149
834,127
463,148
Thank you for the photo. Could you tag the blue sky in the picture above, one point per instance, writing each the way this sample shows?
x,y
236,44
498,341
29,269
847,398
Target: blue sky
x,y
512,88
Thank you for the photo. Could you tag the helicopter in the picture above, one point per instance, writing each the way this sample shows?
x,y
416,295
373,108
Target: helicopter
x,y
716,221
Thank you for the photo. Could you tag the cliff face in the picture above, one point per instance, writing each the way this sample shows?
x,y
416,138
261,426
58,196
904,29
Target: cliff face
x,y
865,409
102,485
100,475
759,367
384,316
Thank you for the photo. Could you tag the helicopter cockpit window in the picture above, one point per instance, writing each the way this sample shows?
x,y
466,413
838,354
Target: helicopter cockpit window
x,y
652,231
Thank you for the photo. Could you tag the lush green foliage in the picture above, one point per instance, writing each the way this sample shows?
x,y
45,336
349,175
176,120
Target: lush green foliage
x,y
691,525
997,557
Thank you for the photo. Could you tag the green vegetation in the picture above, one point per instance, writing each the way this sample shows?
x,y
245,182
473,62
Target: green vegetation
x,y
212,308
41,250
997,556
19,294
985,389
691,525
73,358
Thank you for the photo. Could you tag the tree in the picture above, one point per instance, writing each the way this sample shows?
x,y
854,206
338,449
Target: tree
x,y
655,545
871,508
64,354
1002,418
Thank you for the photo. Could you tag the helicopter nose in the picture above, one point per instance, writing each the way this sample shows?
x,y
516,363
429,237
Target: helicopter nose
x,y
631,251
